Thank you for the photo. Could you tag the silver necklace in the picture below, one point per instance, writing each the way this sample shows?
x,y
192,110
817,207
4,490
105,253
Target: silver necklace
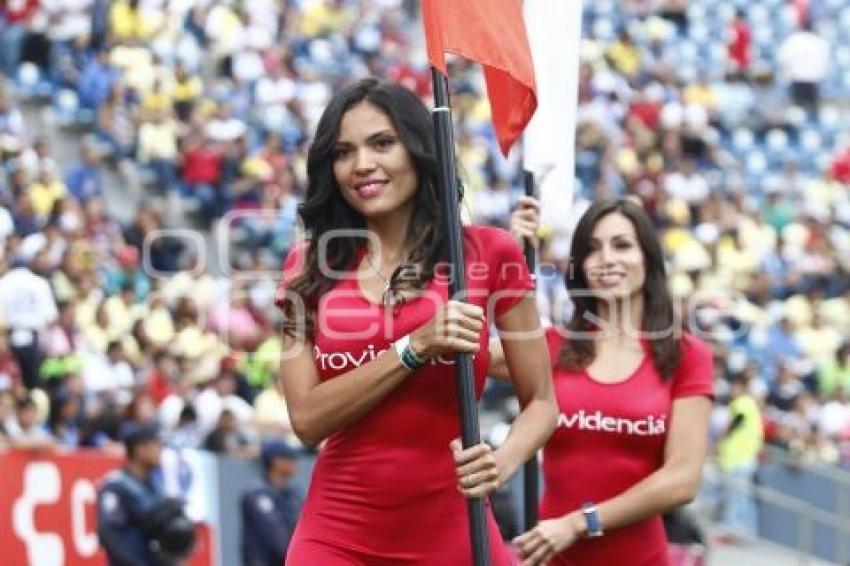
x,y
387,298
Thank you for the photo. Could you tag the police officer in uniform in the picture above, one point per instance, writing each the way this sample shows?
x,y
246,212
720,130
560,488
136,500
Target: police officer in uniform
x,y
270,510
137,524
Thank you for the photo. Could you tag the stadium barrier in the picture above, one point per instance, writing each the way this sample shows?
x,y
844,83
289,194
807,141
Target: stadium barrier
x,y
48,515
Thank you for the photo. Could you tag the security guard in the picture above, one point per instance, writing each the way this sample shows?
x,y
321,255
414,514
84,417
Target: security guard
x,y
270,510
137,524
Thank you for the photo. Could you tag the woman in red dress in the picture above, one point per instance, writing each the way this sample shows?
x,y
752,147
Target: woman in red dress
x,y
633,393
371,334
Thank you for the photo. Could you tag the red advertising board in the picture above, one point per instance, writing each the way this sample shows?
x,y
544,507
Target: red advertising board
x,y
47,510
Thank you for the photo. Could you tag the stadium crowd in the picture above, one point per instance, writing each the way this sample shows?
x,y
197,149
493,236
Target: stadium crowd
x,y
733,146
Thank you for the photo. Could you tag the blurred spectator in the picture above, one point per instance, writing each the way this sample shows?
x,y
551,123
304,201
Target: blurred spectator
x,y
145,233
128,275
24,216
839,169
62,343
274,91
202,162
270,510
25,430
161,376
187,433
228,439
63,422
224,127
767,105
219,394
185,92
97,83
28,307
834,417
108,371
740,42
804,58
85,178
688,185
157,148
182,393
782,347
236,322
17,17
819,341
271,415
834,374
738,452
819,449
136,522
114,124
139,412
786,389
676,11
47,189
624,55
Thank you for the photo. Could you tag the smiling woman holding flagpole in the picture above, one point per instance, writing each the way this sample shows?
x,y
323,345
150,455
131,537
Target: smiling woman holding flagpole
x,y
372,334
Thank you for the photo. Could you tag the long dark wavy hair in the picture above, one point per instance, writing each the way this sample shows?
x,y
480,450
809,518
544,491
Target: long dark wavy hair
x,y
659,319
324,209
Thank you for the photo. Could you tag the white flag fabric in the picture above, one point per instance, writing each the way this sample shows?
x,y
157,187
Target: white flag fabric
x,y
554,34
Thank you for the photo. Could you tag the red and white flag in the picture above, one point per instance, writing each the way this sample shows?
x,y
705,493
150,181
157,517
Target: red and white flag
x,y
492,33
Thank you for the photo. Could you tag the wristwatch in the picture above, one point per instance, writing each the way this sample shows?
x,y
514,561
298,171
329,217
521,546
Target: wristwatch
x,y
591,517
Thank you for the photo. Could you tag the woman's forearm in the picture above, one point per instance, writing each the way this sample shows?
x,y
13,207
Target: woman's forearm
x,y
498,368
333,404
659,492
524,357
529,432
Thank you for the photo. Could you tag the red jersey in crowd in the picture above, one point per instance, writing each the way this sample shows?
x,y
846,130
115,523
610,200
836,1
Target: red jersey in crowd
x,y
648,112
202,165
384,488
839,169
19,11
741,45
609,437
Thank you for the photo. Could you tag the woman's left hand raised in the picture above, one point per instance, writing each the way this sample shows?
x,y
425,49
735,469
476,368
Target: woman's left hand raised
x,y
478,470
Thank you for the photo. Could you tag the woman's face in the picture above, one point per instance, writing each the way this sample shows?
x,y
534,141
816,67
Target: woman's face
x,y
371,165
615,265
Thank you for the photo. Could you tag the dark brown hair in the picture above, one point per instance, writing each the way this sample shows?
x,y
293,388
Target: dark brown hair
x,y
659,319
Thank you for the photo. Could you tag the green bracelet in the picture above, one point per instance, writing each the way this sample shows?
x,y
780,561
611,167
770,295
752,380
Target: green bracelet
x,y
409,358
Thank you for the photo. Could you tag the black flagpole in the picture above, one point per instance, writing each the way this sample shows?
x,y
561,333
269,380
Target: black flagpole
x,y
447,178
530,471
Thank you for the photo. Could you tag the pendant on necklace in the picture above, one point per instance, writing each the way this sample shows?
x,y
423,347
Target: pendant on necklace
x,y
386,295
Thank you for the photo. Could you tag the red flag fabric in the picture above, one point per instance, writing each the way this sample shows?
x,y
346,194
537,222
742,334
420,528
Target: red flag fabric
x,y
491,32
